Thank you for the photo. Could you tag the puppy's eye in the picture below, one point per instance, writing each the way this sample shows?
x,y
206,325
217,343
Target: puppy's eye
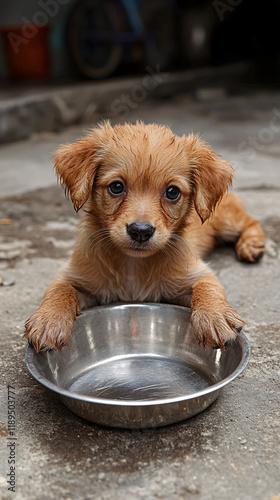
x,y
116,188
172,193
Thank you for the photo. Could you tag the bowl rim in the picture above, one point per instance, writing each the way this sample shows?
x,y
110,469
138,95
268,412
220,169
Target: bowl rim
x,y
241,339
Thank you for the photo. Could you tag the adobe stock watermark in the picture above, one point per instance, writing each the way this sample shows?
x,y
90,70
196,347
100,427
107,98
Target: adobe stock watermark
x,y
223,7
128,101
255,144
46,9
11,438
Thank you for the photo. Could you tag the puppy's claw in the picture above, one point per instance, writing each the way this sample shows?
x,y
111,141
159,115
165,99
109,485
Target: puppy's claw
x,y
239,328
259,256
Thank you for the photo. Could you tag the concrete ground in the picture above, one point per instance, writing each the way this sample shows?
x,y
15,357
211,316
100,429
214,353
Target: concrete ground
x,y
230,451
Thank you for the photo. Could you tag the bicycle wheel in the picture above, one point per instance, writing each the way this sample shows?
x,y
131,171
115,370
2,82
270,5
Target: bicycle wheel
x,y
92,27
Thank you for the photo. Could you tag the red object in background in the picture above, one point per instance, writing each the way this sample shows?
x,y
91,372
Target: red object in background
x,y
27,51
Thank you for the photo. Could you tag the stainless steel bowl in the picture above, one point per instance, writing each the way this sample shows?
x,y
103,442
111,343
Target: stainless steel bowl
x,y
137,365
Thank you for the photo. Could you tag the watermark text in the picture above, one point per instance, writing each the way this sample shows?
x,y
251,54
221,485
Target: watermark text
x,y
128,101
11,438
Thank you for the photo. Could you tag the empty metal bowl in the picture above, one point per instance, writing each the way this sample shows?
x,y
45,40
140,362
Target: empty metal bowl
x,y
137,365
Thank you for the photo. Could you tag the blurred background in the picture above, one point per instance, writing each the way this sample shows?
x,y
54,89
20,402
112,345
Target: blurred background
x,y
62,40
65,62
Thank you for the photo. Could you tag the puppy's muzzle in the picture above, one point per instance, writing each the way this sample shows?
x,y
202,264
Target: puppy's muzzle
x,y
140,231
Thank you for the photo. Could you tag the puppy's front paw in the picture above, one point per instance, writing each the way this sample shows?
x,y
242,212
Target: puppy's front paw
x,y
47,329
216,327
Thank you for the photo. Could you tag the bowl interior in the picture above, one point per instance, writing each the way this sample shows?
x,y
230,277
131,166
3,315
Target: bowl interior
x,y
136,352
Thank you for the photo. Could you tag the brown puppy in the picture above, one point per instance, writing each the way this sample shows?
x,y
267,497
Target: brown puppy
x,y
146,193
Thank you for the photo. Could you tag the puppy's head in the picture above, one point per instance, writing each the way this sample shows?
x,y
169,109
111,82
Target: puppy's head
x,y
140,182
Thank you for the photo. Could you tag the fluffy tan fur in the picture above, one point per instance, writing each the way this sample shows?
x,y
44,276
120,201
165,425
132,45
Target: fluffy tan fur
x,y
108,266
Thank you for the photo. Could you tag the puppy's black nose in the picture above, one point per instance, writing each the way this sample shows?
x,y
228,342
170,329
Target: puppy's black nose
x,y
140,231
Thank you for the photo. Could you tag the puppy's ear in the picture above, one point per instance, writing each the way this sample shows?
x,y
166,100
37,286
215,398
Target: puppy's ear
x,y
76,165
212,176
